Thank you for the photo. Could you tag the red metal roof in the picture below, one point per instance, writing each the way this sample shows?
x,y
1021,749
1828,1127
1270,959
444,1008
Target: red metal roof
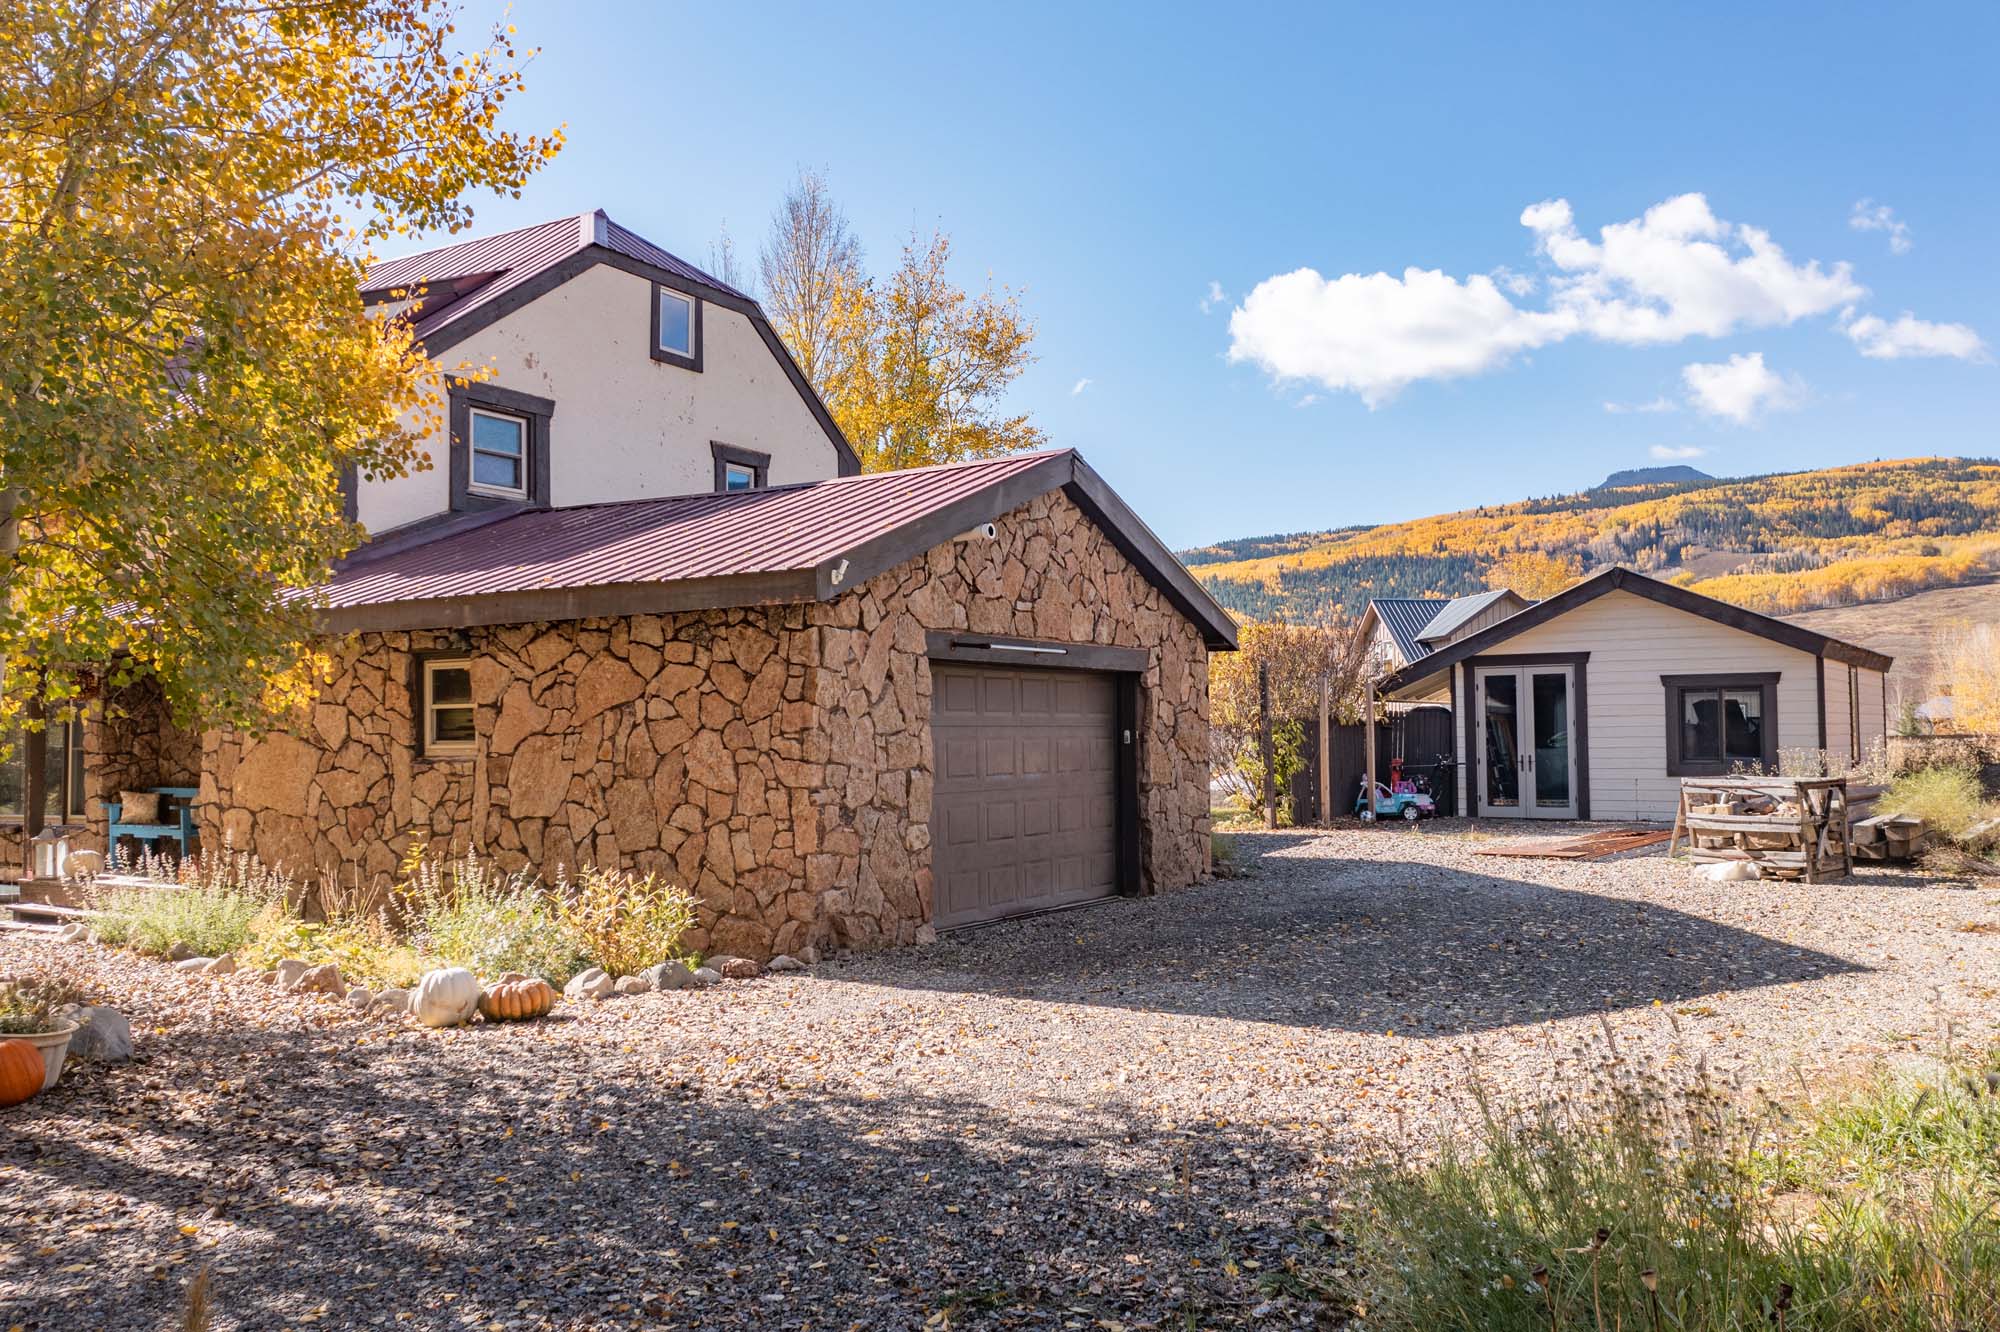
x,y
514,257
776,530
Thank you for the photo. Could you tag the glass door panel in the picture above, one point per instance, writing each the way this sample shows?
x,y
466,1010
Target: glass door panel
x,y
1501,750
1550,762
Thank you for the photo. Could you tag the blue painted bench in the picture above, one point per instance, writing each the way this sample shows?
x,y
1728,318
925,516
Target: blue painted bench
x,y
178,802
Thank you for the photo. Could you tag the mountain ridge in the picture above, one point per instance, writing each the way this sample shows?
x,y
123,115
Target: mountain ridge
x,y
1781,543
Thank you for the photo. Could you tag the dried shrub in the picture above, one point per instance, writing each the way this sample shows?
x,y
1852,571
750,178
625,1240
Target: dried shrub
x,y
624,922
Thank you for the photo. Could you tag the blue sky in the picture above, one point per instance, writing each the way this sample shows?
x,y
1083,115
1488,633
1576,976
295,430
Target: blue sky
x,y
1113,163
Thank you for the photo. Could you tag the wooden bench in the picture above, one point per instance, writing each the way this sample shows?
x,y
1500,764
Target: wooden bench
x,y
177,801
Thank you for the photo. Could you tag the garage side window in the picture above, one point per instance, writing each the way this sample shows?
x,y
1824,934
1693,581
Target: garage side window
x,y
447,706
1718,724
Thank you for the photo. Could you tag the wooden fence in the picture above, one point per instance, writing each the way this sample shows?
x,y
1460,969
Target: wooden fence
x,y
1419,736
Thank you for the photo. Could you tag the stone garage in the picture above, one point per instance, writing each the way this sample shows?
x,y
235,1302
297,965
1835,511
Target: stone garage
x,y
841,713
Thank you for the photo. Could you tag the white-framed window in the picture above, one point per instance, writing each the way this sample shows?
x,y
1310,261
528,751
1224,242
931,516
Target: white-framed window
x,y
676,332
735,476
499,454
447,706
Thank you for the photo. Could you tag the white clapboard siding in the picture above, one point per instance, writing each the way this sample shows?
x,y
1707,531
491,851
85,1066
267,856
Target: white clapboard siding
x,y
1632,642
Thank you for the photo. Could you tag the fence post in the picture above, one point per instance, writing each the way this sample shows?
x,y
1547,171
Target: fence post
x,y
1368,756
1264,740
1325,743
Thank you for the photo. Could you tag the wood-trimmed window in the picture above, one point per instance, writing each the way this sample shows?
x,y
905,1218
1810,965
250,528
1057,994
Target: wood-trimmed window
x,y
1717,724
739,469
63,792
445,713
676,335
499,447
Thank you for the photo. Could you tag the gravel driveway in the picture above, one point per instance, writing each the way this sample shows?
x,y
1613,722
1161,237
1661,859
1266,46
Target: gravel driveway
x,y
1112,1117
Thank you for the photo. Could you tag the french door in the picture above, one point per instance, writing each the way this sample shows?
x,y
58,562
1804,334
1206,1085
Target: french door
x,y
1526,761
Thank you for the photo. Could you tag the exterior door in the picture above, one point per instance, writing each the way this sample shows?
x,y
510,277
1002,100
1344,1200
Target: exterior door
x,y
1024,809
1526,762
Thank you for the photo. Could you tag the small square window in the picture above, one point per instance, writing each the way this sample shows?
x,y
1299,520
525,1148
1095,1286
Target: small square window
x,y
499,454
676,323
448,708
735,476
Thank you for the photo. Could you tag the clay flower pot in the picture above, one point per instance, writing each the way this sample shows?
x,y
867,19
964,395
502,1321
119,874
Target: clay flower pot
x,y
54,1048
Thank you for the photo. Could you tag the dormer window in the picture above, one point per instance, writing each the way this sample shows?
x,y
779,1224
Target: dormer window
x,y
499,455
676,328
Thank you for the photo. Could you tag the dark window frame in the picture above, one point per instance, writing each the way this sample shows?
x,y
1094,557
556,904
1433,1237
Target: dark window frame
x,y
727,455
420,689
539,413
660,353
72,799
1677,686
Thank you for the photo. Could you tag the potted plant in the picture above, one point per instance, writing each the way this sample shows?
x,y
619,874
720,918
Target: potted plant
x,y
31,1011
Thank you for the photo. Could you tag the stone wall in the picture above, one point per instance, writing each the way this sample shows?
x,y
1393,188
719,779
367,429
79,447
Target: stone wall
x,y
130,741
774,760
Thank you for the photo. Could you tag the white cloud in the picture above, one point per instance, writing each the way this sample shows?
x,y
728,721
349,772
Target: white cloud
x,y
1307,401
1675,272
1517,284
1081,385
1871,216
1660,404
1678,271
1910,336
1216,296
1373,335
1741,389
1676,452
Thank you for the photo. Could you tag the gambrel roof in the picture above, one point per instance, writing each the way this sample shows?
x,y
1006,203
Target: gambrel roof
x,y
461,288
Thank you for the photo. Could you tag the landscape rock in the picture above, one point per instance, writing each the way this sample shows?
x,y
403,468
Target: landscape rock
x,y
706,976
179,952
102,1034
785,962
926,935
223,966
670,976
590,984
194,966
76,933
740,968
286,975
322,979
392,1000
360,1000
1728,871
634,985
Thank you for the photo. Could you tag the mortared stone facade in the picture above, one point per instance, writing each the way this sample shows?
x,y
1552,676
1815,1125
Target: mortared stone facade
x,y
775,760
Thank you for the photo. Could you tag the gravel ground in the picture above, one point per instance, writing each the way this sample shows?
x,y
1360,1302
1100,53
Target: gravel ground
x,y
1108,1118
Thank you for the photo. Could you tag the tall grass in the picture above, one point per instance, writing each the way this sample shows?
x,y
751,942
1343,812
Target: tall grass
x,y
1649,1197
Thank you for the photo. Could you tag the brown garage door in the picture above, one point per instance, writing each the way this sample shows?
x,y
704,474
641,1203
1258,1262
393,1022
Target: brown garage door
x,y
1024,811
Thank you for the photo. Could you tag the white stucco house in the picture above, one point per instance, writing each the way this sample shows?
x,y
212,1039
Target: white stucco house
x,y
1594,703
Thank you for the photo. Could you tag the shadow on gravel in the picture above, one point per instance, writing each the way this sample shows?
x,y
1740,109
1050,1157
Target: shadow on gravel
x,y
1417,947
510,1184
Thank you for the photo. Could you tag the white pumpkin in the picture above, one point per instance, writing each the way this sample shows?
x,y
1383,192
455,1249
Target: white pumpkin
x,y
446,997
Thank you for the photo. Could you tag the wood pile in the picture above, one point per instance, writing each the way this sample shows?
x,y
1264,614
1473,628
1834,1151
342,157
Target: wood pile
x,y
1790,827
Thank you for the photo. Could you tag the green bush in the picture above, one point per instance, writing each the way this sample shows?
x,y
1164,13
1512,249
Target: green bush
x,y
466,912
1947,798
210,920
1640,1201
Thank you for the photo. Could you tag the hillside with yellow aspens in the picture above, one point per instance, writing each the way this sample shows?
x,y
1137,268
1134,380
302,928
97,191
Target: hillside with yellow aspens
x,y
1780,544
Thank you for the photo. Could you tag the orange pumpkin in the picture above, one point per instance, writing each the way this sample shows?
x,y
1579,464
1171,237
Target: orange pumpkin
x,y
21,1071
514,1000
